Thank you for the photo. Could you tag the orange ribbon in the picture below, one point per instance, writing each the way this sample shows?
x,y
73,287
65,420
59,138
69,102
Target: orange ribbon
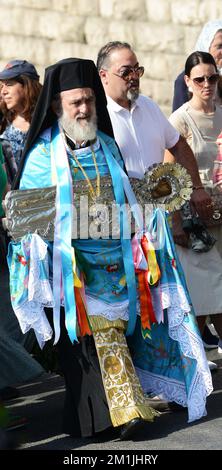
x,y
81,313
146,278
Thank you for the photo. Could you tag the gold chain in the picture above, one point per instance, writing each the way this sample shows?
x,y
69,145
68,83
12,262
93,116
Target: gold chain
x,y
93,194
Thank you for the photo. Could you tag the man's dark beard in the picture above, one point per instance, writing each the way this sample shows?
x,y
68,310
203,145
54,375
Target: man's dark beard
x,y
133,94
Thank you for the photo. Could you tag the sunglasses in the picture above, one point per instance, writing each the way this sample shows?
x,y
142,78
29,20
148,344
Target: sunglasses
x,y
128,72
212,79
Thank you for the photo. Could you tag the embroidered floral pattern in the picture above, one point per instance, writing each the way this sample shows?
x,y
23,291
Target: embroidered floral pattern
x,y
30,286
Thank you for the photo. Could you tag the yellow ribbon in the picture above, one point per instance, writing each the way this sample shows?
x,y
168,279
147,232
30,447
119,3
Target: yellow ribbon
x,y
154,274
77,282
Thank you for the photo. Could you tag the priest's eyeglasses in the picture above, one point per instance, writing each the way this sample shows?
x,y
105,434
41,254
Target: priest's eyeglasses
x,y
128,72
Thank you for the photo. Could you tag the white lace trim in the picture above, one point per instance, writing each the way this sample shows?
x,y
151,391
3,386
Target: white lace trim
x,y
31,313
174,299
171,297
38,289
168,388
110,311
201,386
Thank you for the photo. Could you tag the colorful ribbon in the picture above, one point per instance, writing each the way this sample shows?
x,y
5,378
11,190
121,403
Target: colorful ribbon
x,y
147,277
118,189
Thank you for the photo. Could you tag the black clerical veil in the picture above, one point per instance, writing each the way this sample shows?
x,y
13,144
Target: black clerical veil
x,y
66,74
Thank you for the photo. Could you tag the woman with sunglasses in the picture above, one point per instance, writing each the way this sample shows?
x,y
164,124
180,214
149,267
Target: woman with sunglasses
x,y
199,121
209,40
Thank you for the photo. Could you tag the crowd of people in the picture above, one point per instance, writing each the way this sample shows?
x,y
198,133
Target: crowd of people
x,y
120,309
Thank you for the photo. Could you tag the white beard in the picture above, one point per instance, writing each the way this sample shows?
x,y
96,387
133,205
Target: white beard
x,y
77,131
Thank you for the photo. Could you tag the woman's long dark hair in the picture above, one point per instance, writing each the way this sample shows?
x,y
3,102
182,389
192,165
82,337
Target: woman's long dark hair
x,y
196,58
32,90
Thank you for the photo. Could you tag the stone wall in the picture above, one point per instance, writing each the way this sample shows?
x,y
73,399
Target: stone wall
x,y
162,32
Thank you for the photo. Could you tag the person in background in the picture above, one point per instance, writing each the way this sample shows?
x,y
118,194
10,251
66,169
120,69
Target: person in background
x,y
19,90
3,189
199,121
141,130
209,40
17,366
217,169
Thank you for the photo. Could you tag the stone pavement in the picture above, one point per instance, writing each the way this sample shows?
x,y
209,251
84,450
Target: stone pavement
x,y
41,402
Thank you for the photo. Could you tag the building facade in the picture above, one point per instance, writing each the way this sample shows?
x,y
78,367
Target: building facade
x,y
162,32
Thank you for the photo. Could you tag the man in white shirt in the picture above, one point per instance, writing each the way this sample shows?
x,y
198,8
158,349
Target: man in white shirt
x,y
134,128
141,130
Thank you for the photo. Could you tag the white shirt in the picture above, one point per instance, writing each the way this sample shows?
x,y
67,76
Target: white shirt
x,y
142,134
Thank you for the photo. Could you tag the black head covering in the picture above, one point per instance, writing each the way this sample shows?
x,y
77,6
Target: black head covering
x,y
66,74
